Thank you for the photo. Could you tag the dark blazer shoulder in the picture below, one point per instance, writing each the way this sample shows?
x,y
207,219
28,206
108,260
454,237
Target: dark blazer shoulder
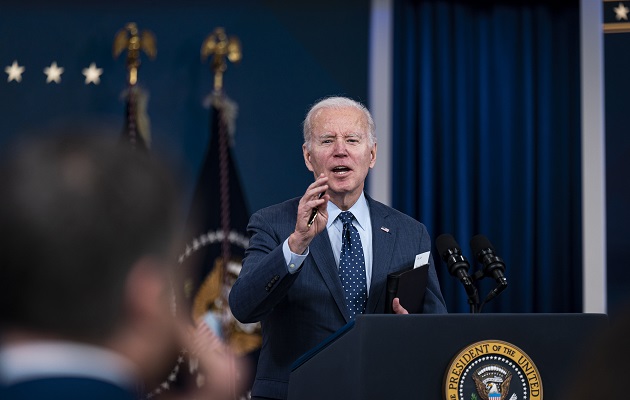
x,y
277,221
279,208
386,211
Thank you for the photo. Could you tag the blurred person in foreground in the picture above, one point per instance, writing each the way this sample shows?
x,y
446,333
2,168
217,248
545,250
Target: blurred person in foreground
x,y
304,280
88,230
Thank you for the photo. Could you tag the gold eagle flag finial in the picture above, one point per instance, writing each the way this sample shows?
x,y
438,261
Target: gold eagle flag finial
x,y
219,46
131,39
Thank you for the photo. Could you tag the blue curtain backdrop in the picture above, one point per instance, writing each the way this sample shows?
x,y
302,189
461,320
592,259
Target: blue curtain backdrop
x,y
487,140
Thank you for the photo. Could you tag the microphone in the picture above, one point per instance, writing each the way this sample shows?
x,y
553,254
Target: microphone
x,y
457,265
493,265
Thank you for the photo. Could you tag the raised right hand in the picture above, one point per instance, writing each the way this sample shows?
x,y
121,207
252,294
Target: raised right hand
x,y
304,234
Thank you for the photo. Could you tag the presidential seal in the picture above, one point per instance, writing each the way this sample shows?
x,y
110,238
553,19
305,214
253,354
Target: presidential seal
x,y
492,370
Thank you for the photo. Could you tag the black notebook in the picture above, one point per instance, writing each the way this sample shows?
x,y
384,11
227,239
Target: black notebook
x,y
409,286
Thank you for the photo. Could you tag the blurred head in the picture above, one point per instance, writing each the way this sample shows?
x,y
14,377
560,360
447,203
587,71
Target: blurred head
x,y
86,233
339,142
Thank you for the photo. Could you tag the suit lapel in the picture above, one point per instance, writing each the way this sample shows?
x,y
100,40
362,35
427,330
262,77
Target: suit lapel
x,y
322,253
382,246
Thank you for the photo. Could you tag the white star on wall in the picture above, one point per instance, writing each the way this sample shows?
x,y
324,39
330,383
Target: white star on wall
x,y
621,12
92,74
14,72
53,73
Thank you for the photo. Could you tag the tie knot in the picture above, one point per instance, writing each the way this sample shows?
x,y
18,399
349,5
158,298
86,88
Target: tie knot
x,y
346,217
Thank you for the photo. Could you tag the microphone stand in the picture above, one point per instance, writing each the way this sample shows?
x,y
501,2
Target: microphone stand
x,y
492,294
473,298
472,293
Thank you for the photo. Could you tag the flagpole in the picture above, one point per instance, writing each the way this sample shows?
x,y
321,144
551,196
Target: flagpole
x,y
131,39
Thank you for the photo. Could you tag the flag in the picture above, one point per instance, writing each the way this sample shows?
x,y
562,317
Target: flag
x,y
217,235
136,130
211,259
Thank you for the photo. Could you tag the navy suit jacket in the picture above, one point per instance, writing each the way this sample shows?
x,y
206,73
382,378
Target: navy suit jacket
x,y
298,311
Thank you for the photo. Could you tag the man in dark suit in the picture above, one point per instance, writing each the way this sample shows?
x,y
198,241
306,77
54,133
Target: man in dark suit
x,y
87,239
304,285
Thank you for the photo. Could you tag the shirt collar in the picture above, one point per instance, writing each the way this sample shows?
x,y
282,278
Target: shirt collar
x,y
359,209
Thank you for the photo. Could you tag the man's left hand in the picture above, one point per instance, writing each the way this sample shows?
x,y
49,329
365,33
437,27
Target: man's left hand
x,y
398,309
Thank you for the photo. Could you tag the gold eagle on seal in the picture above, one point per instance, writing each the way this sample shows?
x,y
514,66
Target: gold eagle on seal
x,y
492,382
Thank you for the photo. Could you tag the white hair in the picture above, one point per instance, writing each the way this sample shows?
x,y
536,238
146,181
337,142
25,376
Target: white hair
x,y
337,103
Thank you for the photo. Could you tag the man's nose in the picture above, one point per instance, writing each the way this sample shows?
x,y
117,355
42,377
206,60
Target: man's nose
x,y
340,148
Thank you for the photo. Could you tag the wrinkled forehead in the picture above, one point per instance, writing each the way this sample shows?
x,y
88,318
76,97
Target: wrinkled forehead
x,y
345,120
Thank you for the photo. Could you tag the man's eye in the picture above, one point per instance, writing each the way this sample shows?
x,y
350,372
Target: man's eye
x,y
326,141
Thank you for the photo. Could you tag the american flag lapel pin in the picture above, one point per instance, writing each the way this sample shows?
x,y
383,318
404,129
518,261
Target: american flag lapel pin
x,y
384,229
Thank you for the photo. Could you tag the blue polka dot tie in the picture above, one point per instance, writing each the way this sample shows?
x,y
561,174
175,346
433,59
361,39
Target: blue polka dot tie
x,y
352,266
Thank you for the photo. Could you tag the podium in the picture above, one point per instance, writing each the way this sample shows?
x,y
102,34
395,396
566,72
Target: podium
x,y
408,356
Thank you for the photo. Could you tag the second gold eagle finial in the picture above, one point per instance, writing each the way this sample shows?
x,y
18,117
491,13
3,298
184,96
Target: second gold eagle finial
x,y
219,46
130,39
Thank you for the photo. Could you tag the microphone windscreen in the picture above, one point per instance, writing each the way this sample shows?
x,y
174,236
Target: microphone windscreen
x,y
479,243
445,242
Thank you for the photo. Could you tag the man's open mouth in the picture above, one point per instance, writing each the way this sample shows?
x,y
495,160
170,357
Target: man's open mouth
x,y
341,170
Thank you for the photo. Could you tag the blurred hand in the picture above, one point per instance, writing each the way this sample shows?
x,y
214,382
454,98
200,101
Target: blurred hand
x,y
220,370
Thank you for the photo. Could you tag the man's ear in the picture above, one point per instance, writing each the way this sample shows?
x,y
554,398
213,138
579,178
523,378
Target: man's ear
x,y
148,331
307,158
373,156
